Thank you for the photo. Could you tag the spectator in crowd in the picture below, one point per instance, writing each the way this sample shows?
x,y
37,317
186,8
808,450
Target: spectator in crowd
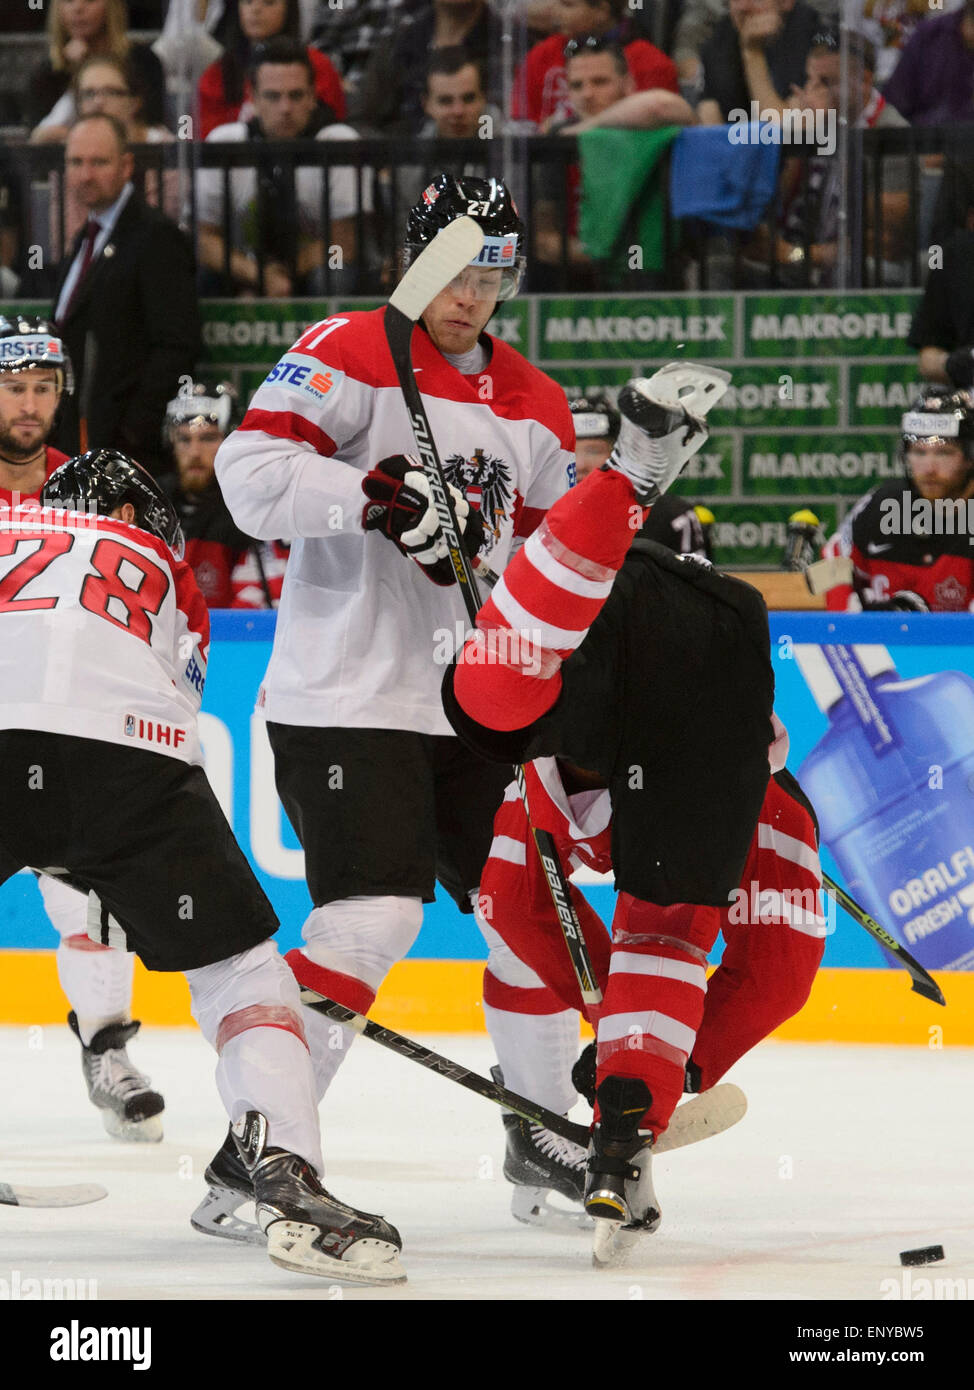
x,y
781,29
80,29
125,302
10,249
811,187
541,94
888,25
276,211
224,90
933,81
390,94
103,86
352,32
600,91
456,107
231,569
942,330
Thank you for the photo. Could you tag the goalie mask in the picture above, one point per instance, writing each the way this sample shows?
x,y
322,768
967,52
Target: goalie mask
x,y
491,206
102,480
199,404
26,341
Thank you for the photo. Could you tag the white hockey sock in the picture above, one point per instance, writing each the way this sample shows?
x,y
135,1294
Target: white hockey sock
x,y
536,1053
248,1007
269,1069
354,942
97,982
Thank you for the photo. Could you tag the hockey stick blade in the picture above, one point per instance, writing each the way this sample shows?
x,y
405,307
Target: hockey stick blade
x,y
450,250
923,983
705,1115
13,1195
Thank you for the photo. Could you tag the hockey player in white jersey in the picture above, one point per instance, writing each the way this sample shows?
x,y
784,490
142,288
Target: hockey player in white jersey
x,y
104,639
322,459
35,372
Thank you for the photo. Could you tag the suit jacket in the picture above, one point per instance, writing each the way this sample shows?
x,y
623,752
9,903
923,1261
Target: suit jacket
x,y
137,306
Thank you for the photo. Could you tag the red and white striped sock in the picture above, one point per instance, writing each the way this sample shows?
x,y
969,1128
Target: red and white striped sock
x,y
542,607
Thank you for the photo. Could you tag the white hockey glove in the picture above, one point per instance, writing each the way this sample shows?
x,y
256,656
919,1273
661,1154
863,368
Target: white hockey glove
x,y
663,424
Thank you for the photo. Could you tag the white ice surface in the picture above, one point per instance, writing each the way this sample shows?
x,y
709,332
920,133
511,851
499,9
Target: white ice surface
x,y
847,1156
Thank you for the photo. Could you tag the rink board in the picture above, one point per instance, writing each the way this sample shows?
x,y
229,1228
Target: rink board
x,y
858,997
444,996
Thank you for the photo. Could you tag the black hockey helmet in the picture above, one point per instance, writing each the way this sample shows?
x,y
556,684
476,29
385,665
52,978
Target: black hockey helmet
x,y
103,479
490,205
940,413
595,416
28,341
202,403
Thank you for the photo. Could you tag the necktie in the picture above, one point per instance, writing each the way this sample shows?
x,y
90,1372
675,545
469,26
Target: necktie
x,y
88,253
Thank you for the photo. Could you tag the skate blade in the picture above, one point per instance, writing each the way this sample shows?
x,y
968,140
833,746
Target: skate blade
x,y
530,1206
613,1242
290,1245
217,1215
147,1131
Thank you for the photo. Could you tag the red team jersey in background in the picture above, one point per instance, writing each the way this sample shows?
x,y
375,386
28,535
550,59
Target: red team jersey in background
x,y
940,568
54,460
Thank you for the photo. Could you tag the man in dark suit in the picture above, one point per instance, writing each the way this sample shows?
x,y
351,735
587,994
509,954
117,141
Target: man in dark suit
x,y
125,301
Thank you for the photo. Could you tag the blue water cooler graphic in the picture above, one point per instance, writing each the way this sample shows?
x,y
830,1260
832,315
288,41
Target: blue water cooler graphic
x,y
892,782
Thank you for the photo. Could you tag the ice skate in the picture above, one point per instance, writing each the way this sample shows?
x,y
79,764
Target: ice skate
x,y
308,1230
619,1193
130,1109
662,425
229,1188
537,1162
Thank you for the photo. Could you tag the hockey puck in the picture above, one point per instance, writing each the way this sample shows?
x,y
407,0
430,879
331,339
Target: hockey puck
x,y
926,1255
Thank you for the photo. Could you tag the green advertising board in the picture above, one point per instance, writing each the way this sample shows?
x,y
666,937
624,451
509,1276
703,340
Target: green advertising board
x,y
818,384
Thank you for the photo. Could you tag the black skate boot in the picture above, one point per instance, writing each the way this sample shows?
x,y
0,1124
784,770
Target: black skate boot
x,y
307,1229
130,1109
537,1162
619,1193
229,1189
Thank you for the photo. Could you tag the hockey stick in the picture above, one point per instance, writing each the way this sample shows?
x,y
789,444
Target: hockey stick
x,y
709,1113
448,253
922,982
13,1195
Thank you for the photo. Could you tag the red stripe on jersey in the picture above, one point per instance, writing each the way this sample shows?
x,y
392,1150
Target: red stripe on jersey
x,y
333,984
285,424
81,942
518,1000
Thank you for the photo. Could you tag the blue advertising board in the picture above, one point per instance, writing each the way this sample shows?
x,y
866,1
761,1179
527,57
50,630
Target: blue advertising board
x,y
880,714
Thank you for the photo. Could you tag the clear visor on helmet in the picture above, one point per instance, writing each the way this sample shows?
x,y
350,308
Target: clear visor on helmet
x,y
498,254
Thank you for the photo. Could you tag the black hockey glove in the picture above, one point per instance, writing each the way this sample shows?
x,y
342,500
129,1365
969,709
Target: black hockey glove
x,y
903,601
960,366
400,505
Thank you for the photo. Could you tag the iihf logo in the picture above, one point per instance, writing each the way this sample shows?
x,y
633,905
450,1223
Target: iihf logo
x,y
130,726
